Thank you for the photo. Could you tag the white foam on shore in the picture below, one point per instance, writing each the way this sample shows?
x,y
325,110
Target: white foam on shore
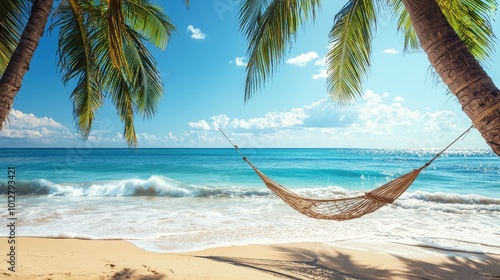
x,y
180,224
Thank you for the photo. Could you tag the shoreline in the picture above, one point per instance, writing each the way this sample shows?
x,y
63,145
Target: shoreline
x,y
73,258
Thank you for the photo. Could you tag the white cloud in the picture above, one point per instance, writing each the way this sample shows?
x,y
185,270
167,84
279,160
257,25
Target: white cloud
x,y
378,120
22,120
439,121
196,33
170,137
22,125
318,114
320,62
200,125
295,116
390,51
302,59
28,130
239,61
376,117
320,75
220,121
148,137
398,99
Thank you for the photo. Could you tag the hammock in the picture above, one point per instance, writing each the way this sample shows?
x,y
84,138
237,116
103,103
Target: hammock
x,y
342,209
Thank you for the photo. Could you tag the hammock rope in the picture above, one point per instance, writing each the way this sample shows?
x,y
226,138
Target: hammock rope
x,y
342,209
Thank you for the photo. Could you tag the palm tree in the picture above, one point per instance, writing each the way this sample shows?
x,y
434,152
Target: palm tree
x,y
454,34
101,47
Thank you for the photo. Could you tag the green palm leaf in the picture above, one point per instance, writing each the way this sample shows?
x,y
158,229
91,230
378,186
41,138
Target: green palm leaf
x,y
102,46
116,23
115,83
136,86
269,27
122,97
150,21
147,82
349,57
145,22
411,42
471,19
13,17
77,60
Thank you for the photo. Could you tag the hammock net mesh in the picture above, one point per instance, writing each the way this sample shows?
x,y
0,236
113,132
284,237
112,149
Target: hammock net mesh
x,y
342,209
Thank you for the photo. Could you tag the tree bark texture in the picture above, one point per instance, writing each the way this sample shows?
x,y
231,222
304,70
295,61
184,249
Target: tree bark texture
x,y
458,68
12,78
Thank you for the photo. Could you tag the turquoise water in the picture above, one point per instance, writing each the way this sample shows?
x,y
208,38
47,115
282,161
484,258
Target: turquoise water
x,y
187,199
464,172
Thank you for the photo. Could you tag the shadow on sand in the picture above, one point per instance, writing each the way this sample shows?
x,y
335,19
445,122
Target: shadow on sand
x,y
127,274
307,264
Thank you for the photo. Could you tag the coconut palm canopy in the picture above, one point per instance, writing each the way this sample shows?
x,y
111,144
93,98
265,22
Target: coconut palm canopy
x,y
207,71
270,26
102,50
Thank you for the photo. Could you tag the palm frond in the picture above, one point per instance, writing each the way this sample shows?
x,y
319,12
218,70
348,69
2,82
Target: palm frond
x,y
116,23
77,60
250,16
115,84
13,18
102,45
150,21
471,19
405,26
269,26
112,80
349,57
147,83
122,97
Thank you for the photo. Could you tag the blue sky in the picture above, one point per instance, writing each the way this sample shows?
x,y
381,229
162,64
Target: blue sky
x,y
204,74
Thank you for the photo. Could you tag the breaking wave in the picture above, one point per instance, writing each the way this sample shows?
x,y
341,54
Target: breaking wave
x,y
166,187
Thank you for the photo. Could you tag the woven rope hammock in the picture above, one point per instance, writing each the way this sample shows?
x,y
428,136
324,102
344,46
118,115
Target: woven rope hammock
x,y
345,208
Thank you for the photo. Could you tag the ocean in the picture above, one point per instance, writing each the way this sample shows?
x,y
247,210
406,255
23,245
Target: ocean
x,y
178,200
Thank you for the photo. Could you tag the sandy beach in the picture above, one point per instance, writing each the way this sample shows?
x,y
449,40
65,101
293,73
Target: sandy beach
x,y
51,258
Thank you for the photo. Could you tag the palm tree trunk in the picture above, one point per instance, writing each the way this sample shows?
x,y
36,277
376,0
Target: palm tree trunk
x,y
457,67
12,78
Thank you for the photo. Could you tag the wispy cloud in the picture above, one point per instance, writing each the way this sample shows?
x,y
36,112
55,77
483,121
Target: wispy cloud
x,y
239,61
302,59
320,62
378,120
200,124
196,33
390,51
439,122
291,118
398,99
322,74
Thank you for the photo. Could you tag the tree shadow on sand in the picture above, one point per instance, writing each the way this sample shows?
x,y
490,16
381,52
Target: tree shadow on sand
x,y
127,274
464,266
308,264
287,269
